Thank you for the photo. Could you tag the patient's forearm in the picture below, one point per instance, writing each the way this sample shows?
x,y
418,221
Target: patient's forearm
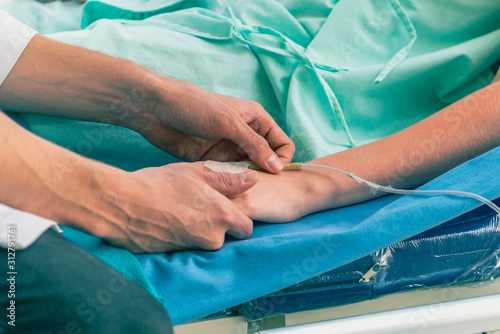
x,y
58,79
408,158
423,151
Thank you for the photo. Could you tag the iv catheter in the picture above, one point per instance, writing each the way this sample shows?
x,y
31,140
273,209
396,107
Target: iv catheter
x,y
374,187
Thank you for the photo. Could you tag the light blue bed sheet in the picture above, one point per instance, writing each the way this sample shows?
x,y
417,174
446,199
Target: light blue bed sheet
x,y
193,284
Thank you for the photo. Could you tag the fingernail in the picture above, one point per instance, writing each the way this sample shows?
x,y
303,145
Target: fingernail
x,y
274,163
249,177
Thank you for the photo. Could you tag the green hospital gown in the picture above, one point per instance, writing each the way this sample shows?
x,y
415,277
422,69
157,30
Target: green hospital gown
x,y
333,74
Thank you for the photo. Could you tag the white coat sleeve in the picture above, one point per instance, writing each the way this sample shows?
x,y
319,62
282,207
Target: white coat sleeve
x,y
14,37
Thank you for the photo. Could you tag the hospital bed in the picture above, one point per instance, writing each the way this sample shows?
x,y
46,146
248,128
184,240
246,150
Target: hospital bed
x,y
444,280
453,289
474,311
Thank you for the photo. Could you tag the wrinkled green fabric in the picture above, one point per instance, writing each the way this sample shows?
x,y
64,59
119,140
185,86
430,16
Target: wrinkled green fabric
x,y
333,74
46,18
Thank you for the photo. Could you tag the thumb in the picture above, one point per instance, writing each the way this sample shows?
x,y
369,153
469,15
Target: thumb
x,y
231,184
257,148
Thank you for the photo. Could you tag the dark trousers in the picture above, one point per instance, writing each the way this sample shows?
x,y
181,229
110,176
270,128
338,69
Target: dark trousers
x,y
61,289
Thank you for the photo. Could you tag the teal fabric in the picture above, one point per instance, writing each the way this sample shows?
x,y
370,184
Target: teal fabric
x,y
46,18
333,74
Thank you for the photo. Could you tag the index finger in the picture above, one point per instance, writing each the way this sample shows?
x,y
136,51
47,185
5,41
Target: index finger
x,y
265,126
280,143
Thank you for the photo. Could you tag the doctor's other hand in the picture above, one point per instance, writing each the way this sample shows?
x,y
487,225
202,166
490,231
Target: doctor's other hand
x,y
175,207
194,124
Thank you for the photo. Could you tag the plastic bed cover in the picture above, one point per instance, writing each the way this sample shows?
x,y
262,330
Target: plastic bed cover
x,y
464,251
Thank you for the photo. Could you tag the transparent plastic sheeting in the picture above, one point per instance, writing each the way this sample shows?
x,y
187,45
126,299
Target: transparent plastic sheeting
x,y
464,251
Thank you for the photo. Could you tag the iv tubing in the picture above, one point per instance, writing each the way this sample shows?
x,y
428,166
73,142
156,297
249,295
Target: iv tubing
x,y
374,187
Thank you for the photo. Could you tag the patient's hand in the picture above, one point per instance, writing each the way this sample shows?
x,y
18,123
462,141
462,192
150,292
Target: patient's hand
x,y
290,195
276,198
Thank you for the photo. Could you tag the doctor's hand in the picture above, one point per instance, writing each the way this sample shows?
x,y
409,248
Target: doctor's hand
x,y
175,207
193,124
179,117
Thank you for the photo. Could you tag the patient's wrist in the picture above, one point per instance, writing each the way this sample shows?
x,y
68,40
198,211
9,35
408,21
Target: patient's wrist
x,y
324,189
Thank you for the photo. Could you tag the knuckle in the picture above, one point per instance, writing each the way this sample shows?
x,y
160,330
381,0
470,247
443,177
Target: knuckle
x,y
255,105
260,143
222,120
288,150
226,180
215,242
227,217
